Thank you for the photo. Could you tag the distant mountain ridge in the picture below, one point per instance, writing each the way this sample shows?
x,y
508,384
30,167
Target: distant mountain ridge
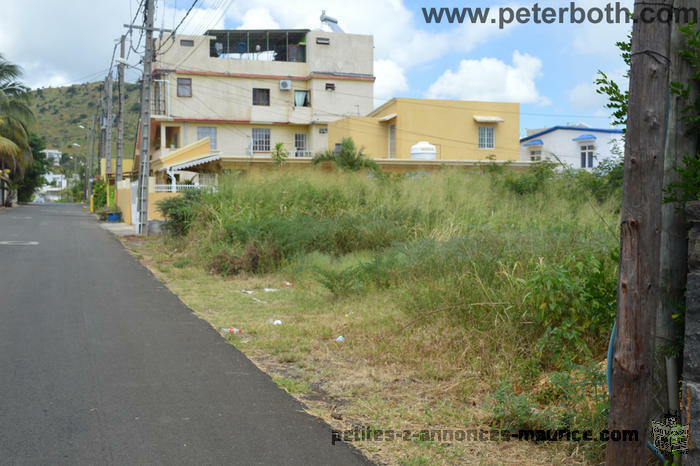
x,y
59,111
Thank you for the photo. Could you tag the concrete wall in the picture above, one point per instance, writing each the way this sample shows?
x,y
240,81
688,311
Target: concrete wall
x,y
123,201
366,132
447,124
559,144
346,53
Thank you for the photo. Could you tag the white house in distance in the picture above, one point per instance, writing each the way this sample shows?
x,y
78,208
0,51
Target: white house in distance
x,y
53,155
578,146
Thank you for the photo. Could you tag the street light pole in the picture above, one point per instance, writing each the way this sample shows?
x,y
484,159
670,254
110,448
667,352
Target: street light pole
x,y
87,150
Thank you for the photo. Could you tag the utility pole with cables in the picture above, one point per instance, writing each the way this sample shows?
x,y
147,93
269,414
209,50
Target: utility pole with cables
x,y
145,146
120,114
88,164
108,130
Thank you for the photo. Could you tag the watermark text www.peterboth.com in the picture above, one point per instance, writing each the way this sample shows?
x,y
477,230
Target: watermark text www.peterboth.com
x,y
612,13
371,434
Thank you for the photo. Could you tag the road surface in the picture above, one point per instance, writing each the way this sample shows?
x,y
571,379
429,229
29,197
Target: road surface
x,y
101,364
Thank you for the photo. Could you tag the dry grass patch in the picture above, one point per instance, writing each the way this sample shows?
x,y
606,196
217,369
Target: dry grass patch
x,y
427,375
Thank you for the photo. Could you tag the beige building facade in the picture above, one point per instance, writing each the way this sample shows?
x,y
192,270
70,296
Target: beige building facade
x,y
247,90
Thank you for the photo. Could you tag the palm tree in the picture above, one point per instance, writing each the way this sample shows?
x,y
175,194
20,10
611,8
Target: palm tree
x,y
348,157
15,118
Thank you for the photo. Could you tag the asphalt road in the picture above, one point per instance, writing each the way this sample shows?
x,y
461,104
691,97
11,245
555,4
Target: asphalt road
x,y
101,364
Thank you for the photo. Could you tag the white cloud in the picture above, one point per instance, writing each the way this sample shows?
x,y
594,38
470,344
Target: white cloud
x,y
491,79
583,96
395,27
258,18
391,80
36,31
599,39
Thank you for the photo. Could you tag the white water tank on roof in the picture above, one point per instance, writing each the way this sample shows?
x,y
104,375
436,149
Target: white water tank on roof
x,y
423,150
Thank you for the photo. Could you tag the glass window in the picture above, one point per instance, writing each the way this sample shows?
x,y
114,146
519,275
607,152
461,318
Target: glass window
x,y
261,139
392,141
207,131
587,156
301,98
186,43
300,149
184,87
330,86
261,97
535,155
486,137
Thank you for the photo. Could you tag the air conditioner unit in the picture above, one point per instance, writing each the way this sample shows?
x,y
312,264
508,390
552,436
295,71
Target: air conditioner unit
x,y
285,85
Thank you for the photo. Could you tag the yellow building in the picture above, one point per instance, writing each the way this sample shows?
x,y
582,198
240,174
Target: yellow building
x,y
127,168
459,130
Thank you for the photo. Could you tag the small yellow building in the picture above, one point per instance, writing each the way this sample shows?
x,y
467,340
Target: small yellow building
x,y
459,130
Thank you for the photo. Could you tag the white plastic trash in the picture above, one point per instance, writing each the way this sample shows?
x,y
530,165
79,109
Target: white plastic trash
x,y
231,330
340,339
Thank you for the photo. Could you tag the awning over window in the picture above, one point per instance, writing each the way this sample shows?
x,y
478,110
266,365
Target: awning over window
x,y
585,137
388,117
195,162
534,142
487,119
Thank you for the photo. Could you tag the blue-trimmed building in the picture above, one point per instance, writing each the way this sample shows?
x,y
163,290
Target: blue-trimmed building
x,y
578,146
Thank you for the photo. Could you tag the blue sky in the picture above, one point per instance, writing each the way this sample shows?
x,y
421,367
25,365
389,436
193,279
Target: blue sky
x,y
548,68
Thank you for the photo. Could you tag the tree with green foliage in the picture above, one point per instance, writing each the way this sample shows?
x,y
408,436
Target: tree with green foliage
x,y
34,174
347,158
617,99
279,154
15,118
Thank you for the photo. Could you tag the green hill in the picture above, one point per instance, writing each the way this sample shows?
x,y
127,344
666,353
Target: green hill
x,y
59,111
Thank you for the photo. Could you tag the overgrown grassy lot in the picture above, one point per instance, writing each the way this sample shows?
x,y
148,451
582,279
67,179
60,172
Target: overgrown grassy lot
x,y
466,300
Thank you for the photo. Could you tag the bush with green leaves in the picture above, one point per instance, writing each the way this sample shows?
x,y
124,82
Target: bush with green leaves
x,y
180,211
348,157
99,193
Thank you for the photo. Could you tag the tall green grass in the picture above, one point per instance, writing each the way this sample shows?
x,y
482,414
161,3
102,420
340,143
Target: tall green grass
x,y
528,259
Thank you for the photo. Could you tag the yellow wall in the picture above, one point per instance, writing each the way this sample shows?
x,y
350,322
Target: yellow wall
x,y
153,199
367,133
127,165
123,201
447,124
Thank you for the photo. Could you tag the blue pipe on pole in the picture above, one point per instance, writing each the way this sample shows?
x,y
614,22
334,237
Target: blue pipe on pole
x,y
608,371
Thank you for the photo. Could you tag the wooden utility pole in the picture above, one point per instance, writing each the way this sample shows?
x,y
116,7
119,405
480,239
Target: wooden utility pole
x,y
108,131
88,162
638,284
120,115
145,148
674,243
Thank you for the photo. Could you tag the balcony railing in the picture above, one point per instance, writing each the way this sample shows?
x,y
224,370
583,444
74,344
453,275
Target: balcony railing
x,y
178,188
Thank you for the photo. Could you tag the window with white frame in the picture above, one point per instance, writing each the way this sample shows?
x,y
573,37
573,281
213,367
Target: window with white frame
x,y
392,141
207,132
300,147
587,155
486,137
261,139
535,155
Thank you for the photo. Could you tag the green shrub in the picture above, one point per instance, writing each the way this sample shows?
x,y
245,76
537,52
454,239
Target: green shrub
x,y
180,211
99,194
575,301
